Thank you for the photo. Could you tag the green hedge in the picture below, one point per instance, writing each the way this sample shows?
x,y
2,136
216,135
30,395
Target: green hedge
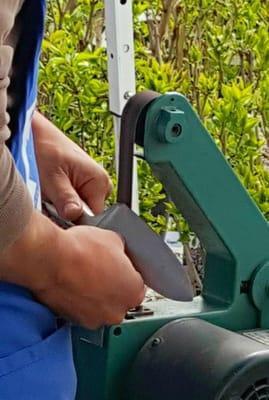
x,y
216,52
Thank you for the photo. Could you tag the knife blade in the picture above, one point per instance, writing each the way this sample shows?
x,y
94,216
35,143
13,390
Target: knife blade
x,y
151,256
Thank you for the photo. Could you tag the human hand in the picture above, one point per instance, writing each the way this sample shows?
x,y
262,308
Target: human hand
x,y
67,173
82,274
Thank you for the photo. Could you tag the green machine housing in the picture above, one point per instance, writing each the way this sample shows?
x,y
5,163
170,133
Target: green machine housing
x,y
214,347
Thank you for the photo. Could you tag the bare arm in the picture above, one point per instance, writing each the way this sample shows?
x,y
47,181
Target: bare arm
x,y
83,273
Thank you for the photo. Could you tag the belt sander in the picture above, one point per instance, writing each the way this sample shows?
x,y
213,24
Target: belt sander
x,y
210,347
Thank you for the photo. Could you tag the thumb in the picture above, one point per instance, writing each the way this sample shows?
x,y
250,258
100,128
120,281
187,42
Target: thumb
x,y
64,197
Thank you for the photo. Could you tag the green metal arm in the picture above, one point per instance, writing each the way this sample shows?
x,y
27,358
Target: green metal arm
x,y
207,192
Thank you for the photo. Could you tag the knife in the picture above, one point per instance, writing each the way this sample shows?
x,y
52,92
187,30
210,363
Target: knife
x,y
151,256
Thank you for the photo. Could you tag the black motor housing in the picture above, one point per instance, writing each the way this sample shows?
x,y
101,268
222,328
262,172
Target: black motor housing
x,y
190,359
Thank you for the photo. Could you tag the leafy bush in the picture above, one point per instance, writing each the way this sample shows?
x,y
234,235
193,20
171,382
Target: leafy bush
x,y
215,52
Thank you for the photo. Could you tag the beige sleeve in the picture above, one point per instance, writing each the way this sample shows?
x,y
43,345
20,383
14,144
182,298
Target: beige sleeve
x,y
15,203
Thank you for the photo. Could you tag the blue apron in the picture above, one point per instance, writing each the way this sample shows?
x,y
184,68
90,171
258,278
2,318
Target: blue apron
x,y
36,360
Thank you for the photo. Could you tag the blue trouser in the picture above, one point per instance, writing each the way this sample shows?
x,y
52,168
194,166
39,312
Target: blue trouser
x,y
35,356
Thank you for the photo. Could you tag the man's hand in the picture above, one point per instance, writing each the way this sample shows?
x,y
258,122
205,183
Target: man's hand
x,y
67,173
81,274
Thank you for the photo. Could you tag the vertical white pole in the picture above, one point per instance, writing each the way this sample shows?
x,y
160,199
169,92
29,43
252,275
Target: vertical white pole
x,y
121,68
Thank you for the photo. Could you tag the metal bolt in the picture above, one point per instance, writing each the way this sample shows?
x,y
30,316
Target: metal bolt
x,y
126,48
128,95
156,342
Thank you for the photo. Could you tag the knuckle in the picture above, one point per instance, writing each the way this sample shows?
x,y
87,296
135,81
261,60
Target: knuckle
x,y
109,186
90,322
116,319
117,239
66,196
138,295
104,181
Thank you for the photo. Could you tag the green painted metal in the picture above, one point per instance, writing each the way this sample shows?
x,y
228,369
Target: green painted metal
x,y
231,228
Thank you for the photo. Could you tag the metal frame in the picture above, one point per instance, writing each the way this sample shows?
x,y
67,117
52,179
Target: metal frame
x,y
120,49
121,67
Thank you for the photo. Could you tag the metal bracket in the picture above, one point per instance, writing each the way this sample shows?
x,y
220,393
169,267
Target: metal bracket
x,y
121,69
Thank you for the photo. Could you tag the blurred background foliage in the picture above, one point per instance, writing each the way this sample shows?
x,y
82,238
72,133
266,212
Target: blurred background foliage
x,y
216,52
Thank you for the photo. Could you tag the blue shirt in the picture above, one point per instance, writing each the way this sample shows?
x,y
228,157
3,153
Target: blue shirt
x,y
36,360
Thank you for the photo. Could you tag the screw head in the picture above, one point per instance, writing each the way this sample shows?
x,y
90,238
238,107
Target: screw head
x,y
128,95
